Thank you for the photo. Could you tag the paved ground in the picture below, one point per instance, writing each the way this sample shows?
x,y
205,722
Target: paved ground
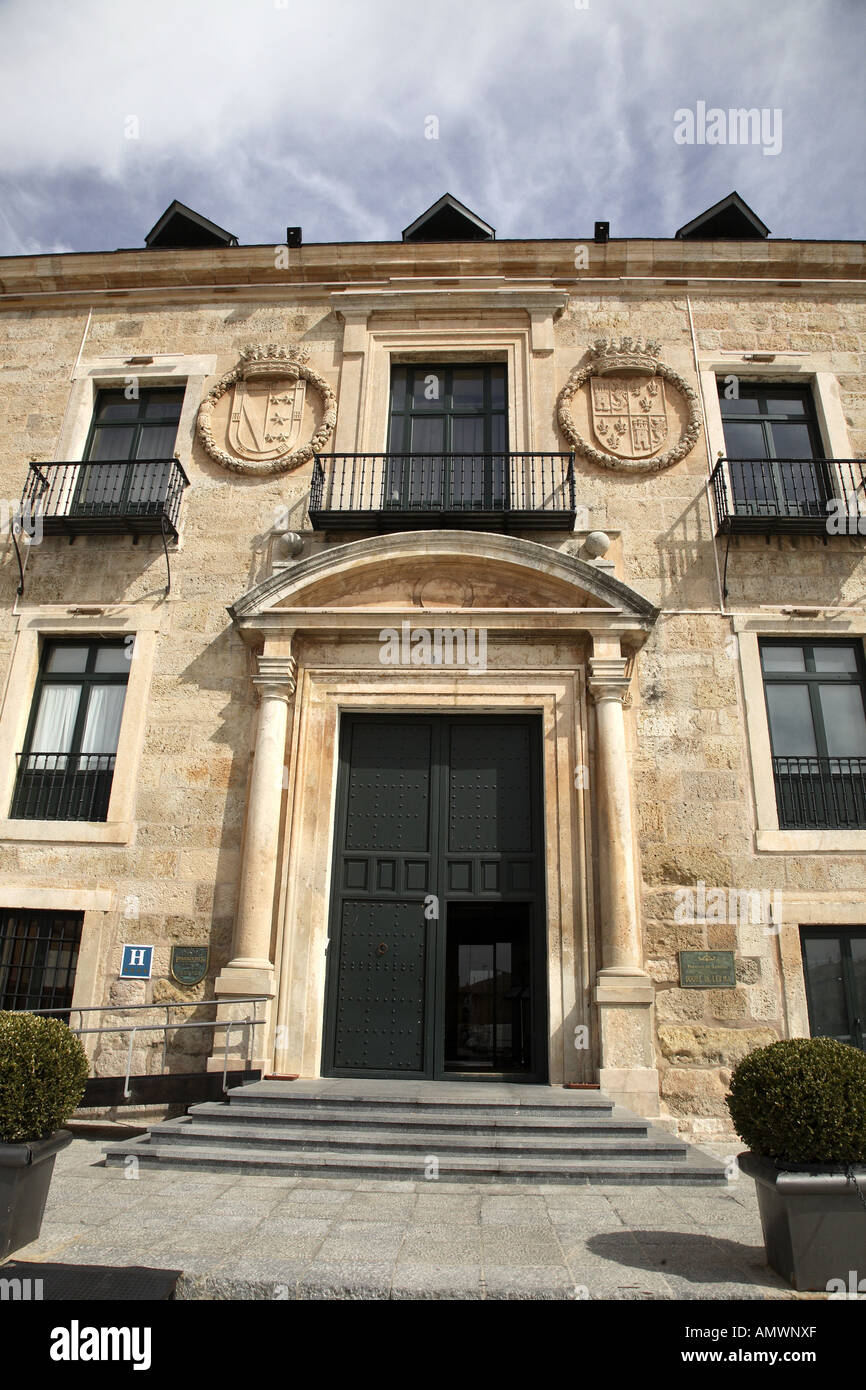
x,y
264,1238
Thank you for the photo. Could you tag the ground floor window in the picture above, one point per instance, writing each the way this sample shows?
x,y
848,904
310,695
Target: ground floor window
x,y
834,964
38,956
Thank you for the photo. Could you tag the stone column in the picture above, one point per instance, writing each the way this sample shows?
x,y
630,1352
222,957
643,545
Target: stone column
x,y
624,992
250,970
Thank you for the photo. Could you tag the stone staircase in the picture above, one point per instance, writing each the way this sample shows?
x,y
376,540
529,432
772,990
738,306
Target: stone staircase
x,y
458,1131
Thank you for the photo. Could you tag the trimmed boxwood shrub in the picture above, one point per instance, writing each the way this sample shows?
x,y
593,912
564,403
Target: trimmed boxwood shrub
x,y
43,1068
802,1100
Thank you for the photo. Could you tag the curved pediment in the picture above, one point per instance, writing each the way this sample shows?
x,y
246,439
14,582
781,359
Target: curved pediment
x,y
444,570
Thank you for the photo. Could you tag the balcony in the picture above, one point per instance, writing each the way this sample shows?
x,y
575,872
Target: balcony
x,y
138,497
808,496
62,786
484,492
820,793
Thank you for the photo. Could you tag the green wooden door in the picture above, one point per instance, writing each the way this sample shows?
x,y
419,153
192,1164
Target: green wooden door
x,y
438,819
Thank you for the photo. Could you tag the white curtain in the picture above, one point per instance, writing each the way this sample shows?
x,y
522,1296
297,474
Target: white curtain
x,y
102,724
54,725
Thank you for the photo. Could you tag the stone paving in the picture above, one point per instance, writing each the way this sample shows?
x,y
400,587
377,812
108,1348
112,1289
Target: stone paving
x,y
243,1237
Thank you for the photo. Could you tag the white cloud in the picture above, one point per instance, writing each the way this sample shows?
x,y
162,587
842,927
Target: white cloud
x,y
549,116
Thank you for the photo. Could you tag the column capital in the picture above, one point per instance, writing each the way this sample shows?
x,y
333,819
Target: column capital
x,y
608,679
275,677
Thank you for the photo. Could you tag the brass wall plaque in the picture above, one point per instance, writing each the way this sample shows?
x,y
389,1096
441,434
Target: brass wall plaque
x,y
707,970
189,964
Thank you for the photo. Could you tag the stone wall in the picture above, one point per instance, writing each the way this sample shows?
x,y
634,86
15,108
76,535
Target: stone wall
x,y
177,879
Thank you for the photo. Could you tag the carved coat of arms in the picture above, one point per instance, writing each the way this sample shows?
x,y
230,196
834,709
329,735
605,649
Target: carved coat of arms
x,y
629,415
628,407
266,416
253,419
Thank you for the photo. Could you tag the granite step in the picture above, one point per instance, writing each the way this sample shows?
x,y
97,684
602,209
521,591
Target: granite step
x,y
699,1169
620,1122
429,1141
396,1130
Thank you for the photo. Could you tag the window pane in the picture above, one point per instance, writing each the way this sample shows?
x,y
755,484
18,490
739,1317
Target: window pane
x,y
783,658
791,441
67,659
163,405
467,434
467,388
113,658
497,388
744,441
102,723
858,970
157,441
428,436
823,960
782,403
398,434
111,442
398,388
497,433
58,706
429,389
844,720
835,659
113,405
791,728
746,403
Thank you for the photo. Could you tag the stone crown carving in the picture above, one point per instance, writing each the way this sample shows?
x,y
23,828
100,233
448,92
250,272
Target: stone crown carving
x,y
274,451
624,355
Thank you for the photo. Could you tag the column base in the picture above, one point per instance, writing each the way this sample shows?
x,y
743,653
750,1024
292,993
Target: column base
x,y
241,978
628,1073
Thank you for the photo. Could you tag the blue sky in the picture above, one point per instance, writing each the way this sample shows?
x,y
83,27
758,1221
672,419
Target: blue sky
x,y
551,114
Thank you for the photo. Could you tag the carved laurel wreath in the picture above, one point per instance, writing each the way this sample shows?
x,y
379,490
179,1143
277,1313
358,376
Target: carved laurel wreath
x,y
687,440
284,462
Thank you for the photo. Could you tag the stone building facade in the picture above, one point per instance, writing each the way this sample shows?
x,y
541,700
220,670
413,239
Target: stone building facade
x,y
482,858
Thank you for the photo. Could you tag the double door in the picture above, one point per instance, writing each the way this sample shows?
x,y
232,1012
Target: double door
x,y
436,960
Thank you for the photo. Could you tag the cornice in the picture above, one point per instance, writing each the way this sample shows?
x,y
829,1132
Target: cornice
x,y
374,266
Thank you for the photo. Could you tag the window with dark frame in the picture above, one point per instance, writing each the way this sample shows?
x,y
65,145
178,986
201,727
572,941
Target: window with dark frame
x,y
816,710
834,968
38,957
130,449
448,437
773,448
66,768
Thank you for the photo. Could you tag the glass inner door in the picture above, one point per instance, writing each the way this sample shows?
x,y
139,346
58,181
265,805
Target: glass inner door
x,y
488,993
834,963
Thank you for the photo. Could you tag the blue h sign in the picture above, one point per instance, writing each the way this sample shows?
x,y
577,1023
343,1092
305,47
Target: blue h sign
x,y
136,963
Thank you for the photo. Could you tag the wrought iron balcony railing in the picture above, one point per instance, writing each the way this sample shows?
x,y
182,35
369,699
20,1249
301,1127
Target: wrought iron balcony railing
x,y
393,492
820,793
813,496
141,496
62,786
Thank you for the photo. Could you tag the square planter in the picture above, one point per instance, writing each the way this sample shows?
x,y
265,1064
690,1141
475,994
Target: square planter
x,y
25,1176
813,1220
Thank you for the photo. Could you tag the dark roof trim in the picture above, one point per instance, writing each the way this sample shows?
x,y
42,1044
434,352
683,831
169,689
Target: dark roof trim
x,y
204,227
477,228
737,209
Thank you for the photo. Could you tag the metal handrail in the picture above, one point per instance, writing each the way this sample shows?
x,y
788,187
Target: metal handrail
x,y
786,489
486,481
163,1028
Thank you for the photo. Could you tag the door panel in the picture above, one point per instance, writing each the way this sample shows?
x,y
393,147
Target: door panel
x,y
434,813
834,964
380,1001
